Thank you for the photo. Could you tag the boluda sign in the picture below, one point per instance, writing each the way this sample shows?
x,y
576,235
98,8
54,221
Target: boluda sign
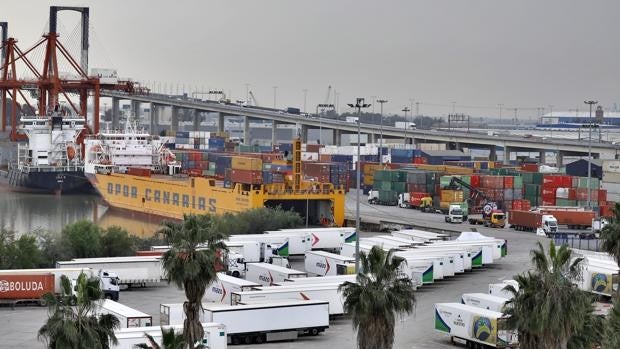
x,y
25,286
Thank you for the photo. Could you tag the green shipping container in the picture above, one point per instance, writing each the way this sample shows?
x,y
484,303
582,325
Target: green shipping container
x,y
444,181
382,185
383,175
399,187
565,202
518,182
532,190
388,196
532,178
399,176
583,183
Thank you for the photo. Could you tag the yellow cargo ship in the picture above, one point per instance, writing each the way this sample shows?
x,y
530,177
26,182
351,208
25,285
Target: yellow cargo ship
x,y
174,196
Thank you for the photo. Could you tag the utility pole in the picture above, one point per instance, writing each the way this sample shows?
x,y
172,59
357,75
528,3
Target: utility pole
x,y
247,94
405,110
359,104
381,101
305,98
516,110
275,89
590,103
500,110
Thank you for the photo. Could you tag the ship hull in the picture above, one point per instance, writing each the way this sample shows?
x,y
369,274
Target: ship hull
x,y
174,198
53,182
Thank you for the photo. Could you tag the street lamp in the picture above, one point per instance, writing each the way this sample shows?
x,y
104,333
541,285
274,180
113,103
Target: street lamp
x,y
359,104
405,110
590,103
381,101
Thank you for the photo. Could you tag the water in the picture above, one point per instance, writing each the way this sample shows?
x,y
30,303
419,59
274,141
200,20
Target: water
x,y
24,213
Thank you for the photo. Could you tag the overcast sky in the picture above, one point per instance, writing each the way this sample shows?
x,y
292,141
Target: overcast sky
x,y
526,53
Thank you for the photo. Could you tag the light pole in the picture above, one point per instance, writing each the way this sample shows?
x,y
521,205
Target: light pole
x,y
405,110
275,89
590,103
381,101
500,110
359,104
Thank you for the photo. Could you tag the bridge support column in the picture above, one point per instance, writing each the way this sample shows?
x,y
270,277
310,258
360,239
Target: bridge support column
x,y
135,110
542,157
507,153
246,131
304,134
154,114
115,113
274,128
492,153
220,122
559,159
174,120
196,119
336,137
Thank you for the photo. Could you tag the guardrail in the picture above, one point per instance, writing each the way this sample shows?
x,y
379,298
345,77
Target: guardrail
x,y
592,244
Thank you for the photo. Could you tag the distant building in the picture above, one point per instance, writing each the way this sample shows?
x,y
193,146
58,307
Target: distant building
x,y
572,119
580,168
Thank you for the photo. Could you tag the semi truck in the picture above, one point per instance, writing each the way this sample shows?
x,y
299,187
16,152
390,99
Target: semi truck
x,y
532,221
415,200
128,317
494,219
268,274
484,300
475,326
219,291
131,271
326,263
273,321
571,217
498,289
30,285
455,214
325,292
128,338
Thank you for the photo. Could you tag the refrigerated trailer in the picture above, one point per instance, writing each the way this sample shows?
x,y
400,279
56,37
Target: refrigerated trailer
x,y
214,336
475,326
326,263
131,271
269,244
128,317
273,321
297,243
326,238
326,292
497,289
420,235
268,274
320,280
484,300
598,276
219,291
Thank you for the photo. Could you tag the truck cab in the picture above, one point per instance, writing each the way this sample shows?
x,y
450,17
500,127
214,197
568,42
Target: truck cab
x,y
236,264
373,197
109,283
549,223
598,224
403,200
455,214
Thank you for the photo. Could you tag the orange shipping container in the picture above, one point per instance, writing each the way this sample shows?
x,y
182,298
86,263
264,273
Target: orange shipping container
x,y
509,182
26,286
246,163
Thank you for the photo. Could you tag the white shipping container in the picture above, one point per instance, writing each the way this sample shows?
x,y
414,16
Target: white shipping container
x,y
483,300
611,166
497,289
268,274
327,293
219,291
320,279
325,263
130,270
214,336
326,238
309,156
127,316
611,187
611,177
297,244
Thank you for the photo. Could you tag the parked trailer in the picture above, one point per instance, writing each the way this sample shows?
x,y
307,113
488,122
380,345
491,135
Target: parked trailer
x,y
532,221
475,325
135,270
492,249
221,289
173,314
437,262
497,289
327,292
598,276
409,242
484,300
298,243
326,263
267,274
30,285
319,280
420,271
420,235
273,321
573,218
450,260
396,242
324,238
214,336
270,244
128,317
463,258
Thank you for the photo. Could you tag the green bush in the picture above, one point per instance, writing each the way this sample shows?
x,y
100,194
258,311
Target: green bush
x,y
256,221
117,242
81,239
22,253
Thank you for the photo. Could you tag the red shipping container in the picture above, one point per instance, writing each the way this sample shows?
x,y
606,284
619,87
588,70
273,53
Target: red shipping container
x,y
568,181
325,158
606,211
26,286
194,172
246,176
420,160
509,182
552,181
418,195
475,181
529,167
548,202
572,194
139,171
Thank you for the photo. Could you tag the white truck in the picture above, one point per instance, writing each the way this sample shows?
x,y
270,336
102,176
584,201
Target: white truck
x,y
455,214
497,289
484,300
476,326
127,316
131,271
325,292
214,336
273,321
327,238
598,276
219,291
268,274
324,263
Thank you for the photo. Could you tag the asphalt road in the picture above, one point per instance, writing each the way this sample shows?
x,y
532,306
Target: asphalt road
x,y
19,326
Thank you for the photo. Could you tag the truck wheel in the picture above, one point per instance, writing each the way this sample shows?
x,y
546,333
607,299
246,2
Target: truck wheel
x,y
42,302
108,296
314,332
259,339
248,340
235,340
236,274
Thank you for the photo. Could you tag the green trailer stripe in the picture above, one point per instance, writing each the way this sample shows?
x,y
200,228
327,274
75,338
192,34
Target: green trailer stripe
x,y
351,238
283,250
477,260
440,324
504,249
427,276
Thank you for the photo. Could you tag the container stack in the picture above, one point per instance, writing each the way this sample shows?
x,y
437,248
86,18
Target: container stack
x,y
390,183
246,170
200,140
335,173
193,163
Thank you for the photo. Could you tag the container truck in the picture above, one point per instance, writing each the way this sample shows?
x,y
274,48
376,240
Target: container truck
x,y
273,321
571,217
484,300
327,292
128,317
494,219
421,201
30,285
454,214
326,263
497,289
268,274
532,221
214,336
219,291
131,271
476,326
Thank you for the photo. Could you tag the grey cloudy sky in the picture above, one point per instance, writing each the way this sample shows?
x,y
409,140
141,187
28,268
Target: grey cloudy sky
x,y
526,53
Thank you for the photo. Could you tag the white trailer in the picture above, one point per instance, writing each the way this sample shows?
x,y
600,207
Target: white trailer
x,y
298,243
497,289
448,265
598,276
324,263
420,235
474,325
270,244
250,250
484,300
268,274
326,238
327,292
219,291
408,242
462,257
273,321
384,243
135,270
320,280
420,271
214,336
127,316
498,246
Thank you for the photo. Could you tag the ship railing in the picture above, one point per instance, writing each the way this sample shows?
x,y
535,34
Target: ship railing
x,y
68,168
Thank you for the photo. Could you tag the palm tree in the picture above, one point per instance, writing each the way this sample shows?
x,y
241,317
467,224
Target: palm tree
x,y
169,340
548,309
191,265
379,295
72,321
610,235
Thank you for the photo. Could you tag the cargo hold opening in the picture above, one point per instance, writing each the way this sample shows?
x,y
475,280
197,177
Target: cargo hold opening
x,y
317,209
